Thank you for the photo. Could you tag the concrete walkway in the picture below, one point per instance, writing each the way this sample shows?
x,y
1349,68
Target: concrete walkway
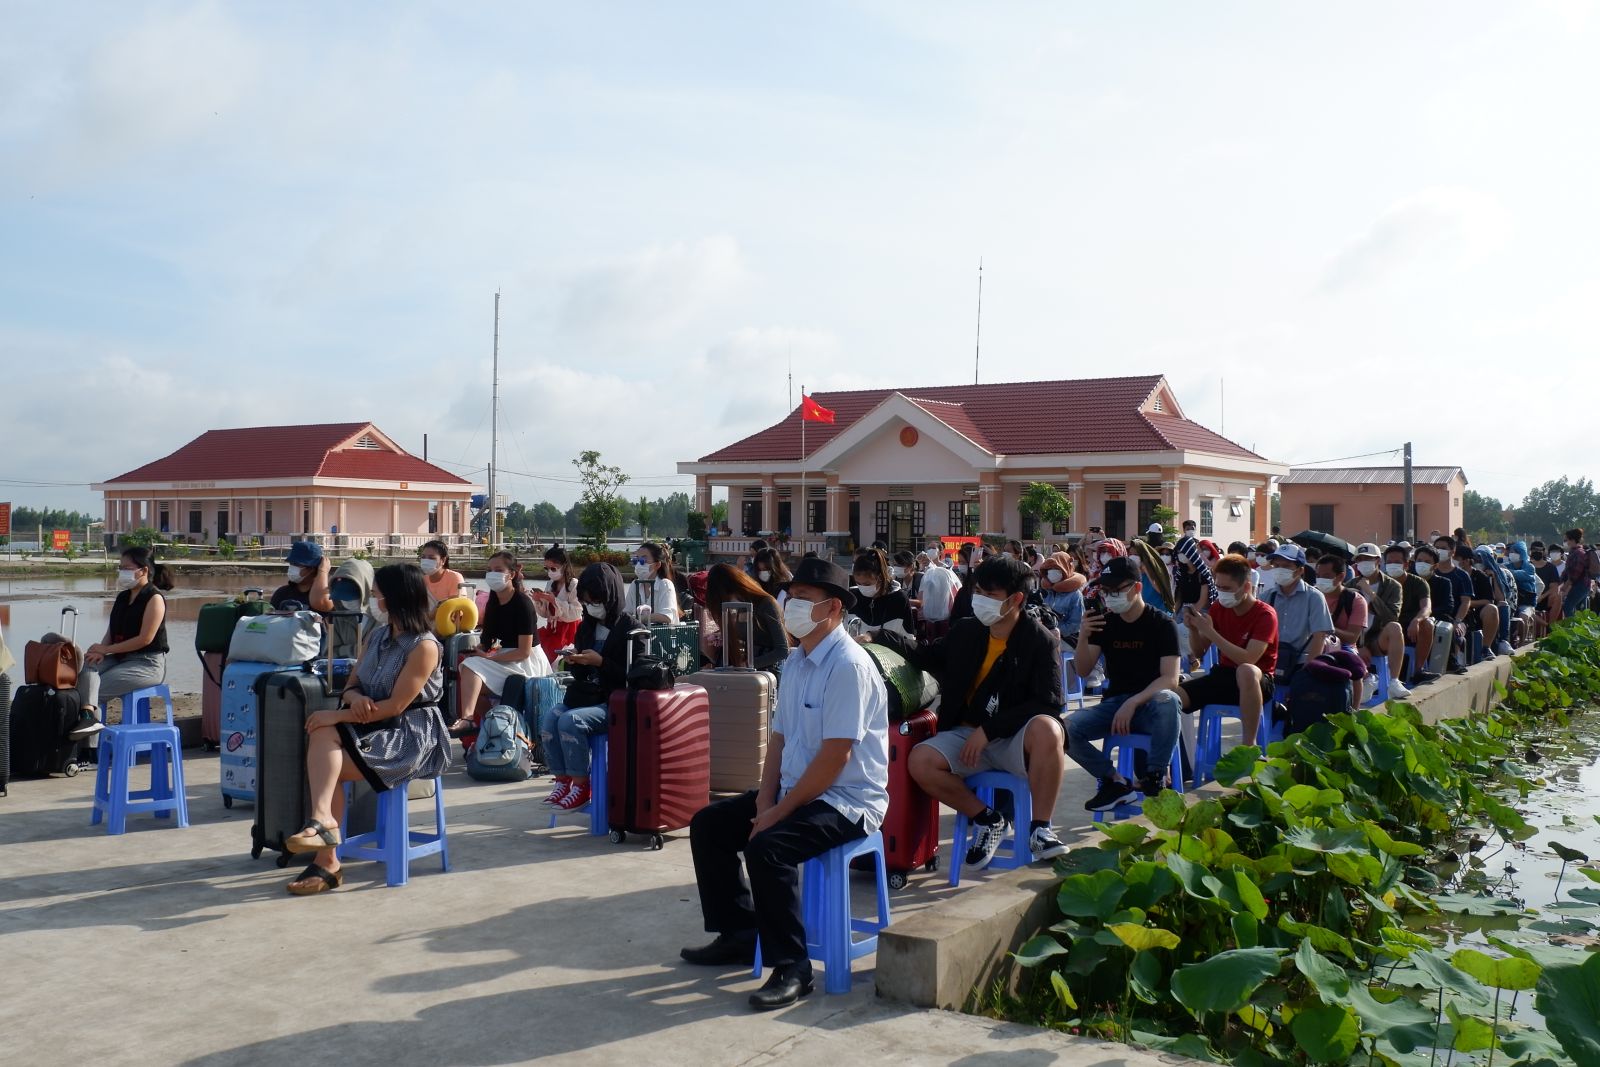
x,y
540,943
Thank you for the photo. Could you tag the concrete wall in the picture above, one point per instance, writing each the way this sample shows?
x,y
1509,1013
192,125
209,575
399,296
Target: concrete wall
x,y
937,957
1364,512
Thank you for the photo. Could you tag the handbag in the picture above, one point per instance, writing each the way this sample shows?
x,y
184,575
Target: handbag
x,y
651,672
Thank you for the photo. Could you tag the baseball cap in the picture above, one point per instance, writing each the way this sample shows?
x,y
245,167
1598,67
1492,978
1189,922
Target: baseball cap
x,y
305,554
1368,549
1291,553
1155,527
1118,572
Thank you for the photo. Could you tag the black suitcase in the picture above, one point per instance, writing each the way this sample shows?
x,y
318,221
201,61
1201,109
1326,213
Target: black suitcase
x,y
5,733
285,700
39,720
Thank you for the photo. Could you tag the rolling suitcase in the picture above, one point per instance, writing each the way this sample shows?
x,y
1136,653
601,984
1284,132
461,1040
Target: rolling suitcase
x,y
286,700
5,732
212,664
911,825
658,769
39,721
237,730
742,702
456,647
1444,636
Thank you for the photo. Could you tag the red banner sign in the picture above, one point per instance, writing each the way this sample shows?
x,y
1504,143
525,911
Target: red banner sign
x,y
5,519
60,540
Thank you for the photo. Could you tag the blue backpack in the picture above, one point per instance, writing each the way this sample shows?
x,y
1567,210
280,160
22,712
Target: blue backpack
x,y
502,752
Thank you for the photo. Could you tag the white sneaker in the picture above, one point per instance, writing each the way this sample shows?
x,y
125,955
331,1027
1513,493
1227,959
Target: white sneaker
x,y
1045,845
1369,688
1502,648
1398,690
985,843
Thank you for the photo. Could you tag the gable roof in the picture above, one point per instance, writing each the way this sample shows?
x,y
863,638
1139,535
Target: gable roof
x,y
1009,419
325,450
1371,476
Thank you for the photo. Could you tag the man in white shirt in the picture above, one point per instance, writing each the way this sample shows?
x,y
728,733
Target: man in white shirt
x,y
825,783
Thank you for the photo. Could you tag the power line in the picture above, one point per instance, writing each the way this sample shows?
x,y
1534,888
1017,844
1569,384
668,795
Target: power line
x,y
1341,459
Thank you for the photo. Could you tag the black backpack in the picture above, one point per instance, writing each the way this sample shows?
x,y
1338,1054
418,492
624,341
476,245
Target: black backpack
x,y
1313,696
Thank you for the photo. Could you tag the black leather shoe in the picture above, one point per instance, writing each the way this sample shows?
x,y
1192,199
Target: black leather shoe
x,y
781,990
726,950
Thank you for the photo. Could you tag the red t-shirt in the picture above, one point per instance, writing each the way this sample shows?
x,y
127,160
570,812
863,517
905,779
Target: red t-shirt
x,y
1260,623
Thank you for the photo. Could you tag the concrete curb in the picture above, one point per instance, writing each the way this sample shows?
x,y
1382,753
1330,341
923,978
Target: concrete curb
x,y
938,957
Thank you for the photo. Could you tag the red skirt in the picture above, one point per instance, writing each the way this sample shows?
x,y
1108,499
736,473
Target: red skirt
x,y
554,636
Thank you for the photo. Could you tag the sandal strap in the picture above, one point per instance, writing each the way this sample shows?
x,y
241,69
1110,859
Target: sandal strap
x,y
333,879
319,830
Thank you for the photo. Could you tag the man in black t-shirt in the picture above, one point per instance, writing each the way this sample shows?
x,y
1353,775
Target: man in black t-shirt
x,y
1140,644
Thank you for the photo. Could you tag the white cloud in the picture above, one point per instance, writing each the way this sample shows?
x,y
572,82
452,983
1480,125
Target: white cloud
x,y
1447,228
654,292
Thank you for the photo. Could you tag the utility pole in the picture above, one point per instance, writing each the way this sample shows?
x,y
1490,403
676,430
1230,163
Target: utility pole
x,y
494,432
1409,522
977,345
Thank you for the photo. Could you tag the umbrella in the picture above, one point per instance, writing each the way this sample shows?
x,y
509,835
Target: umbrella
x,y
1325,541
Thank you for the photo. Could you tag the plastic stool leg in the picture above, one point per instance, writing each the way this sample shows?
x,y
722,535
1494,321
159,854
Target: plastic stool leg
x,y
438,823
117,819
836,923
396,837
958,849
180,795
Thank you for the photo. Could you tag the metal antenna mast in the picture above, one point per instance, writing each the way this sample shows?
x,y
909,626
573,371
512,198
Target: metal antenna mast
x,y
977,346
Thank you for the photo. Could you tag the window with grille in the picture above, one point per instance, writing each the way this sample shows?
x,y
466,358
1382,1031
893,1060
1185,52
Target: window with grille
x,y
1030,528
1116,488
196,522
816,516
880,520
1147,514
1150,489
963,518
919,519
1208,526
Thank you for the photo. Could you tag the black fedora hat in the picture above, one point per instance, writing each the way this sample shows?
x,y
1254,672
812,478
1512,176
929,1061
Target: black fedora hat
x,y
824,575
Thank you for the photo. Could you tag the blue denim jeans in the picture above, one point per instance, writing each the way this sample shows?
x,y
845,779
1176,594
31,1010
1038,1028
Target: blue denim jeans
x,y
1158,717
1577,600
565,734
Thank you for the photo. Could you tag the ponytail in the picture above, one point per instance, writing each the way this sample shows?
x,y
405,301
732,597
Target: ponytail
x,y
513,565
663,560
145,559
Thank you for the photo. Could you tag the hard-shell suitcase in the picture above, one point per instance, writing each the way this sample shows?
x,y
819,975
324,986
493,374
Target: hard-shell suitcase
x,y
5,733
40,718
456,647
911,825
238,730
678,646
658,769
212,664
286,700
1444,635
741,705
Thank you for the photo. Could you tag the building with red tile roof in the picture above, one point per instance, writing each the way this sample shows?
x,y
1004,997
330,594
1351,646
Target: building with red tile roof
x,y
904,465
1368,503
343,484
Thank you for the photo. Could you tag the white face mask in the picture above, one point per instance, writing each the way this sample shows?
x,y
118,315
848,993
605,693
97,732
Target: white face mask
x,y
595,611
1555,557
642,571
1367,568
1117,603
380,614
797,617
988,610
897,572
764,576
429,565
1227,598
1424,569
553,573
1104,560
1325,584
1394,570
1053,576
1515,558
496,580
1284,576
294,573
867,589
126,578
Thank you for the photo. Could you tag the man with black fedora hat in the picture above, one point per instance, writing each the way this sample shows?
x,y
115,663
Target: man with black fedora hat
x,y
825,783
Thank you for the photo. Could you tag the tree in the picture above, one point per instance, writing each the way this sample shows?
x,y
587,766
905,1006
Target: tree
x,y
600,509
516,517
644,513
547,518
697,525
1484,516
1167,517
1551,509
719,514
1045,505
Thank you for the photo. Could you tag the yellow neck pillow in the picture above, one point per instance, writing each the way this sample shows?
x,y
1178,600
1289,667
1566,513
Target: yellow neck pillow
x,y
456,615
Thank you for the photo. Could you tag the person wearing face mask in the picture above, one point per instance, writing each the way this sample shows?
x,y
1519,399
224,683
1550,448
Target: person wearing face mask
x,y
1244,631
1347,607
880,602
308,580
935,602
825,783
999,674
772,574
1140,645
1384,635
133,653
1461,603
1305,626
1483,616
599,667
964,569
1446,605
904,568
725,584
507,643
653,599
1415,618
557,606
1576,576
433,558
1061,583
1546,566
1155,571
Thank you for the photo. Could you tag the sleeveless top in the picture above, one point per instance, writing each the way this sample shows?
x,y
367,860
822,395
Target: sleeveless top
x,y
384,658
127,619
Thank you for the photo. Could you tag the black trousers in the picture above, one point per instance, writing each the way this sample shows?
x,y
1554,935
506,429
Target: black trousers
x,y
770,904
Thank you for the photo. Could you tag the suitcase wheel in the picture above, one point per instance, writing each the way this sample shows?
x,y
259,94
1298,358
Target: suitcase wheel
x,y
283,860
932,864
618,837
227,802
255,852
897,879
657,842
70,770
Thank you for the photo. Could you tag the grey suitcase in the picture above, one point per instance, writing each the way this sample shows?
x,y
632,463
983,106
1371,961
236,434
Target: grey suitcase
x,y
1444,635
742,705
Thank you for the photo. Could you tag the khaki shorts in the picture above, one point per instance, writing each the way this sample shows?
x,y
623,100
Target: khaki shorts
x,y
1003,755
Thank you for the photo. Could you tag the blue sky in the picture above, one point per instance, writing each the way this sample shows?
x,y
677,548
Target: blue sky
x,y
1375,222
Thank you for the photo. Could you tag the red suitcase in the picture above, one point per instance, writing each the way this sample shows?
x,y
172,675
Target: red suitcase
x,y
211,667
911,825
658,767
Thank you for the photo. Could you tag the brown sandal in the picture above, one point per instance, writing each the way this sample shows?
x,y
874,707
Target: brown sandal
x,y
327,881
314,838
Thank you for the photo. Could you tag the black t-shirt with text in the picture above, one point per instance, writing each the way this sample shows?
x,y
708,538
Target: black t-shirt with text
x,y
1133,650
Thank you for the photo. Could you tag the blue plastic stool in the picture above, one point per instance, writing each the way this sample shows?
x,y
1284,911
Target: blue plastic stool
x,y
1125,745
393,843
114,797
138,705
596,808
1208,743
1014,851
1071,682
1410,667
1380,695
825,901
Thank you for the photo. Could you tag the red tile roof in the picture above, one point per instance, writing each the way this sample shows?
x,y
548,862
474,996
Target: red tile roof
x,y
1013,418
255,452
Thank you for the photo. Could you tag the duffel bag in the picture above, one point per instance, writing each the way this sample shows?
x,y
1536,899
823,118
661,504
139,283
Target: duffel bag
x,y
289,639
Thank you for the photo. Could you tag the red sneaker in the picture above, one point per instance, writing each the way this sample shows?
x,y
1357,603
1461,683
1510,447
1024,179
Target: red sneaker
x,y
576,797
563,785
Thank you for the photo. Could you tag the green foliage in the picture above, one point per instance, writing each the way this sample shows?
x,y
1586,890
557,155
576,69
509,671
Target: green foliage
x,y
643,514
225,549
1167,517
600,509
1044,503
143,537
1484,515
696,525
1551,509
1569,1000
24,520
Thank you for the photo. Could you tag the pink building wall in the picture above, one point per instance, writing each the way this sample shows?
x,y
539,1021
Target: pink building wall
x,y
1365,512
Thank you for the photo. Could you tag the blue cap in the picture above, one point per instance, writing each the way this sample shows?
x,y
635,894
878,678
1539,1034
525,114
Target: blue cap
x,y
1290,552
305,554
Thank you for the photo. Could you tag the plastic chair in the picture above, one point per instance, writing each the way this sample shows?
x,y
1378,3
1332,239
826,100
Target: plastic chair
x,y
1072,683
596,808
1380,695
393,843
1014,851
136,706
114,796
1125,745
825,902
1208,746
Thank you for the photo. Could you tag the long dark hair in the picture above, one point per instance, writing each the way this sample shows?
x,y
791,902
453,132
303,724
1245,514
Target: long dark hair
x,y
662,557
775,565
405,593
145,559
513,565
439,547
558,555
873,561
725,582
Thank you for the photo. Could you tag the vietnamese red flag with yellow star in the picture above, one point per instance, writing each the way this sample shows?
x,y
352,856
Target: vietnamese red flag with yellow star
x,y
811,411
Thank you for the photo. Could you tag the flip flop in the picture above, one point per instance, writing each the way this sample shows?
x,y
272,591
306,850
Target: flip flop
x,y
322,837
327,881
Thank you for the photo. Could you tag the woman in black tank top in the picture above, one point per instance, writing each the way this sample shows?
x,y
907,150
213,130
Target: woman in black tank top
x,y
133,653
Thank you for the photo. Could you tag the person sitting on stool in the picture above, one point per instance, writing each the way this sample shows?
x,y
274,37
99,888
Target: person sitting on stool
x,y
825,783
